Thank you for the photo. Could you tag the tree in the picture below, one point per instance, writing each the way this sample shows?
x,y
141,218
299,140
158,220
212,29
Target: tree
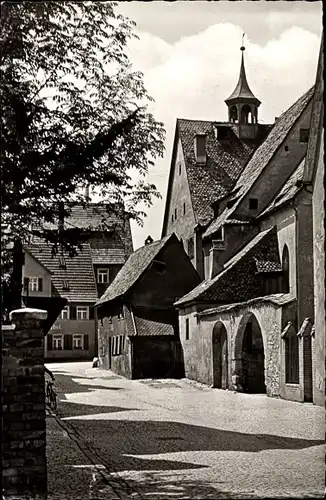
x,y
74,114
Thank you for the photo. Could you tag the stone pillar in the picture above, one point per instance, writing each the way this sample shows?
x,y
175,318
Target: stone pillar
x,y
23,404
215,254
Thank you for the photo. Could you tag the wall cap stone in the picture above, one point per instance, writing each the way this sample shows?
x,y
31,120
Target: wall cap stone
x,y
6,328
27,313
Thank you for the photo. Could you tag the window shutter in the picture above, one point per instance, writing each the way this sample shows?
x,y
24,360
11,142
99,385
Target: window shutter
x,y
91,312
49,342
67,342
86,343
73,312
40,284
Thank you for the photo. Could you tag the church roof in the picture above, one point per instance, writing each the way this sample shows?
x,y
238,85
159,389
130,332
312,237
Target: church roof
x,y
239,280
226,159
292,186
242,90
261,157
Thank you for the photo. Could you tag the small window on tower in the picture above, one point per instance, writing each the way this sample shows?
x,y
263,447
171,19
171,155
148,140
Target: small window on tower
x,y
253,203
304,134
175,214
179,168
184,209
286,148
172,218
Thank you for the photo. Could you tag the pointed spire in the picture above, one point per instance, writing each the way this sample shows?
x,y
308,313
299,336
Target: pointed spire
x,y
242,91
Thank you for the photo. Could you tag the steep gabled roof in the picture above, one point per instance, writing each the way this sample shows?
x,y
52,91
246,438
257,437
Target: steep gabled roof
x,y
147,324
317,120
108,256
242,90
290,189
226,159
135,266
78,272
238,281
93,216
262,157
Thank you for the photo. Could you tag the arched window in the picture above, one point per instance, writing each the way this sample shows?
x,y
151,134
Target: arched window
x,y
286,270
245,110
233,114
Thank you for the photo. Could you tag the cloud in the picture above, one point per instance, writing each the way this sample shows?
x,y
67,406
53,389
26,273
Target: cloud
x,y
192,77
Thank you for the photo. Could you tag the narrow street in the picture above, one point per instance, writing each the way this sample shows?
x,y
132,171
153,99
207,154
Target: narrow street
x,y
175,439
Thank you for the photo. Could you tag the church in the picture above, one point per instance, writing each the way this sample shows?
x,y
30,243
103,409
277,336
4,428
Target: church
x,y
246,202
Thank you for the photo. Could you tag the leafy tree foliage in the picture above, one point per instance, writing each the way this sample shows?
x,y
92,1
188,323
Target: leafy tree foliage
x,y
74,114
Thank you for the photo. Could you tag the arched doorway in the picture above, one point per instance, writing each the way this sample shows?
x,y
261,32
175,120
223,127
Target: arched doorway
x,y
250,356
220,356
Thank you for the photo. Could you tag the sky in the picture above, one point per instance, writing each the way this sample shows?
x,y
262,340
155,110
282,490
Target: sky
x,y
189,53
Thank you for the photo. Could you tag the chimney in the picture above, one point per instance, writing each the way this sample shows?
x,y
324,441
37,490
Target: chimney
x,y
200,149
61,216
215,255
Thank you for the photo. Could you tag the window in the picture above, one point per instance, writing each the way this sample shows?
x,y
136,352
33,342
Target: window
x,y
219,235
65,313
253,203
103,275
62,262
285,270
304,134
57,342
179,168
172,218
175,214
286,148
187,329
77,341
200,148
82,312
184,209
65,285
191,248
35,284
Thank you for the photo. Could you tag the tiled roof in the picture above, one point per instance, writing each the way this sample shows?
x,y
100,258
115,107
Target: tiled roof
x,y
292,186
147,327
93,216
237,280
267,266
136,264
225,161
262,156
78,272
279,299
108,255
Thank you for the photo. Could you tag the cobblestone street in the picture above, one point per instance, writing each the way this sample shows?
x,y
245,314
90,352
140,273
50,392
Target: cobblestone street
x,y
117,439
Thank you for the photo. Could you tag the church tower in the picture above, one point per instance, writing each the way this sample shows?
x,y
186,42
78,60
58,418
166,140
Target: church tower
x,y
243,106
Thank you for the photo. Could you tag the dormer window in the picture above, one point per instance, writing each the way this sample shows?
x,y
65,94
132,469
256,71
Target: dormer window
x,y
200,149
103,275
65,285
253,203
304,134
62,262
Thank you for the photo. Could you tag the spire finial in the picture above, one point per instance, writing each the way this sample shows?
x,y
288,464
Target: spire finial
x,y
242,46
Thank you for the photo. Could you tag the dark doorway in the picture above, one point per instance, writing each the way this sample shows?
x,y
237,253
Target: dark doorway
x,y
253,358
220,357
307,368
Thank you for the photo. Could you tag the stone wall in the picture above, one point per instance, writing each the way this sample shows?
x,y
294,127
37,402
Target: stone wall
x,y
198,348
23,404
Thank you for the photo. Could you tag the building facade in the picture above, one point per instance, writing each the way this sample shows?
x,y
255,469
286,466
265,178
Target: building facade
x,y
138,326
251,324
81,279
